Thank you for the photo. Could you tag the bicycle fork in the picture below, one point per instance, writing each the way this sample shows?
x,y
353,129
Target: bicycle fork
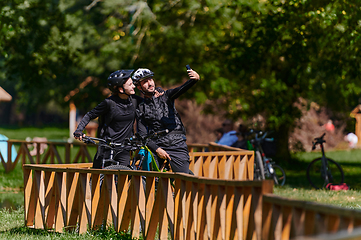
x,y
324,171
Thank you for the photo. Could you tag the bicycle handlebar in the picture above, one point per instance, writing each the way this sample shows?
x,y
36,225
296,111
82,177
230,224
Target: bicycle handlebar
x,y
135,142
259,139
317,141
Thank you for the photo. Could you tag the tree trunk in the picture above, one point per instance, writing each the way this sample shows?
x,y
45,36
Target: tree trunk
x,y
282,147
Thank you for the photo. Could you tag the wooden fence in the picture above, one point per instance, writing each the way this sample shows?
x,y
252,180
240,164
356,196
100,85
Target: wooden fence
x,y
284,218
50,155
69,196
52,152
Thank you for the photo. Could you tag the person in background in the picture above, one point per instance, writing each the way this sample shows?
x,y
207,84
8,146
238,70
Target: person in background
x,y
229,136
219,134
352,140
241,134
329,126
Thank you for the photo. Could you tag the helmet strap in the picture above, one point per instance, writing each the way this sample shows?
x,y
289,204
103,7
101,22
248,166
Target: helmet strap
x,y
144,93
123,92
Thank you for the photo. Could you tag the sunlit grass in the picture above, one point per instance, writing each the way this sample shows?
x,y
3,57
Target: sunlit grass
x,y
12,227
51,133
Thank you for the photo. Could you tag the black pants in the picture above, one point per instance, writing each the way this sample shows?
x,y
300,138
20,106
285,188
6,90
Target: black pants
x,y
120,156
179,155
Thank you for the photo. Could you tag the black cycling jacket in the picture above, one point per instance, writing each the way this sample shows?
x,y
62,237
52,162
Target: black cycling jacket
x,y
158,114
122,114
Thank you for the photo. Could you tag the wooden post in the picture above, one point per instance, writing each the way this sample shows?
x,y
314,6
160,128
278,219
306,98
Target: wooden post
x,y
72,119
356,113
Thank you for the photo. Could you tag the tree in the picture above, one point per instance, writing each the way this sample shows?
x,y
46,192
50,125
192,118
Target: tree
x,y
256,57
260,58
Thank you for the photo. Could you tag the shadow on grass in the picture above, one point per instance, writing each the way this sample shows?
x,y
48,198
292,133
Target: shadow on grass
x,y
30,231
108,233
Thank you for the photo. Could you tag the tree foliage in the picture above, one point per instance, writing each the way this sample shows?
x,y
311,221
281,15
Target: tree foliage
x,y
255,57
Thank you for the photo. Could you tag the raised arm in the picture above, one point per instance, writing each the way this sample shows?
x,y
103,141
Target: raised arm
x,y
176,92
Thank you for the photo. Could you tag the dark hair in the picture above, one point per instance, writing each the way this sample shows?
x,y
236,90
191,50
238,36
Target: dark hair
x,y
219,130
242,130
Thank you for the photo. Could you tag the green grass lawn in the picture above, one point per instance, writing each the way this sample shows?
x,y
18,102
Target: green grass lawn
x,y
51,133
296,186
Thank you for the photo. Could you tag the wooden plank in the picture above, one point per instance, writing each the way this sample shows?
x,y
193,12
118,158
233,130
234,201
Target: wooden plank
x,y
201,213
286,222
49,199
267,221
149,201
72,182
97,211
61,214
162,213
29,197
229,195
39,221
135,210
333,223
298,223
84,202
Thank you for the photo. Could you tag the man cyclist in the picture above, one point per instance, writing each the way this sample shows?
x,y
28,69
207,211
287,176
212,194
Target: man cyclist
x,y
118,113
157,114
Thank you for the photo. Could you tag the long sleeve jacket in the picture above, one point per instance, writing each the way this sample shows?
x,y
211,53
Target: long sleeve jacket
x,y
158,114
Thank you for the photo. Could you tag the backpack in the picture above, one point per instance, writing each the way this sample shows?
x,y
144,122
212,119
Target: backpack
x,y
337,187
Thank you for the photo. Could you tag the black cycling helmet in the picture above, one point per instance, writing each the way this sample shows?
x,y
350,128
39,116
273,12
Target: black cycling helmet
x,y
141,74
118,78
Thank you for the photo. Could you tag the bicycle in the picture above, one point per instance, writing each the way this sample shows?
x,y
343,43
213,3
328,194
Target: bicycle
x,y
322,171
141,160
264,167
134,143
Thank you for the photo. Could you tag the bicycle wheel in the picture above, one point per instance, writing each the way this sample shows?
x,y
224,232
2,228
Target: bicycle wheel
x,y
316,176
278,175
258,170
120,167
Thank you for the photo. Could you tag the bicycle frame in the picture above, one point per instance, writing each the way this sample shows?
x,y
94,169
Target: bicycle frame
x,y
136,142
148,158
324,167
266,167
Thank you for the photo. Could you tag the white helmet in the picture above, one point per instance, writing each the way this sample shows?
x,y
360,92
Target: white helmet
x,y
141,74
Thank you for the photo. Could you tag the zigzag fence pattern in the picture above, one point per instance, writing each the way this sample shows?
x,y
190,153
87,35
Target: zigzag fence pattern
x,y
51,155
54,154
284,218
62,196
219,202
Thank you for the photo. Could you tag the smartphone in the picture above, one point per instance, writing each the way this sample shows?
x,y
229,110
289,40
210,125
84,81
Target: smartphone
x,y
188,67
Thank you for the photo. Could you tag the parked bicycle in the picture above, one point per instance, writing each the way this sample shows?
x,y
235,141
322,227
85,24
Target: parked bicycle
x,y
322,171
264,167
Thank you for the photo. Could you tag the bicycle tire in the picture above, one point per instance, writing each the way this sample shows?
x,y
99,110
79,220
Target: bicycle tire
x,y
278,175
259,169
314,173
120,167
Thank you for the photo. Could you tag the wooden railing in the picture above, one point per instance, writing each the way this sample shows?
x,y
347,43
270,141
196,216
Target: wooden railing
x,y
52,154
284,218
219,202
69,196
236,165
